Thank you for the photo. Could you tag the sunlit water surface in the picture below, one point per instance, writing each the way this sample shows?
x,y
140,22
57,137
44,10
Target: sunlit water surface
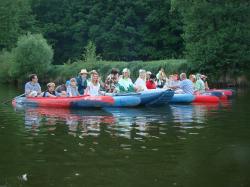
x,y
174,145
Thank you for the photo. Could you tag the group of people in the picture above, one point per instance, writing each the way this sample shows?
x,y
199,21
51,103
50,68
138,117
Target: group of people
x,y
90,83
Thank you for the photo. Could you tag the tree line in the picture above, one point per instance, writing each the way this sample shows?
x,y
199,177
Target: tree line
x,y
213,35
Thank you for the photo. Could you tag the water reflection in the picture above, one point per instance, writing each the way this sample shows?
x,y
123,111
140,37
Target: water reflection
x,y
131,123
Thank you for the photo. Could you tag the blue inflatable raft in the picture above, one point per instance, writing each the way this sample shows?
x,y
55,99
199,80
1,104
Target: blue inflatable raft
x,y
182,98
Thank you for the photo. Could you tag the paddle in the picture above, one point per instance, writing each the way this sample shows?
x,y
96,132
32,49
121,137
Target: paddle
x,y
4,102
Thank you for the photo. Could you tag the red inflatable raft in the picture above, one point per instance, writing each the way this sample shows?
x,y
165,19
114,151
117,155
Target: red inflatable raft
x,y
206,99
65,102
228,93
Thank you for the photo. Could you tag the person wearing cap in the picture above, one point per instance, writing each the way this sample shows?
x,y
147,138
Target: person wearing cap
x,y
125,84
72,90
199,84
140,83
204,78
50,92
82,81
112,80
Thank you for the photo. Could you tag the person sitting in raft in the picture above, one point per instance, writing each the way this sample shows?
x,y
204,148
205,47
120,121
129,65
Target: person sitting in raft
x,y
140,83
151,82
169,82
112,80
125,84
61,88
32,88
82,81
148,73
199,85
50,92
193,79
161,78
93,87
72,90
204,78
185,86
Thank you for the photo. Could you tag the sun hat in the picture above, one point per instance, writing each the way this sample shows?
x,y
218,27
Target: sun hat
x,y
83,71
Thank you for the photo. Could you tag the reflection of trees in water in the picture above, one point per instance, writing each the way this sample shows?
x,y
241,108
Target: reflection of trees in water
x,y
131,123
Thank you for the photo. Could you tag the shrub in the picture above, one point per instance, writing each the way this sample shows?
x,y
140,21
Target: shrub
x,y
32,55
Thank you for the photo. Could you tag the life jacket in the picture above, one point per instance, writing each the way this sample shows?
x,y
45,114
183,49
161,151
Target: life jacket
x,y
53,93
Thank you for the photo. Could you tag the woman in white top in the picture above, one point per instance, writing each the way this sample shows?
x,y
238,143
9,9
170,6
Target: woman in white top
x,y
125,84
93,87
140,83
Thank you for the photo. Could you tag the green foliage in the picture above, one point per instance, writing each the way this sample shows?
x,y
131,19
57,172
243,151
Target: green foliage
x,y
7,61
122,30
16,19
32,55
89,55
68,70
217,35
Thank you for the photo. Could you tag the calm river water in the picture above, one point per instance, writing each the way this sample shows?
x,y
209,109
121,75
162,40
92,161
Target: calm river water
x,y
174,145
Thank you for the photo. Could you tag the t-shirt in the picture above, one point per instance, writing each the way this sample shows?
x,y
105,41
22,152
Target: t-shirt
x,y
93,90
200,86
29,87
187,86
151,84
140,84
125,85
72,91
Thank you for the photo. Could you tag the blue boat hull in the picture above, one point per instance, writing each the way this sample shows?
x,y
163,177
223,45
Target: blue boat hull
x,y
145,98
182,98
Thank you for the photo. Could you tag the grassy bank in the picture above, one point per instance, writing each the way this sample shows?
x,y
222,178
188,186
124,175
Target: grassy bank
x,y
60,73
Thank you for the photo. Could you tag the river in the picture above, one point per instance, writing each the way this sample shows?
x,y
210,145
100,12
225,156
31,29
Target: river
x,y
174,145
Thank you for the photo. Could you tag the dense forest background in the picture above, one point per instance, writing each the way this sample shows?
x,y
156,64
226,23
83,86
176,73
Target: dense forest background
x,y
212,35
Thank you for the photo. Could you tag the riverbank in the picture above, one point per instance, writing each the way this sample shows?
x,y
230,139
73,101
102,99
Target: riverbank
x,y
60,73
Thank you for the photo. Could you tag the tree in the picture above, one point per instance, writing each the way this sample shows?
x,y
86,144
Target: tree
x,y
16,19
32,55
216,34
89,55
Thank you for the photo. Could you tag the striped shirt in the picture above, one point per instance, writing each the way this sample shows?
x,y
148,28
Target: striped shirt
x,y
187,86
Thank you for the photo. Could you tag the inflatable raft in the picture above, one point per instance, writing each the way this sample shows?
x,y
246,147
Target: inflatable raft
x,y
182,98
65,102
206,99
146,98
226,92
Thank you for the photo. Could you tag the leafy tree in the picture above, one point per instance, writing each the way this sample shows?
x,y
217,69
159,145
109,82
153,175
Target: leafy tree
x,y
32,55
89,55
16,19
7,61
217,34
